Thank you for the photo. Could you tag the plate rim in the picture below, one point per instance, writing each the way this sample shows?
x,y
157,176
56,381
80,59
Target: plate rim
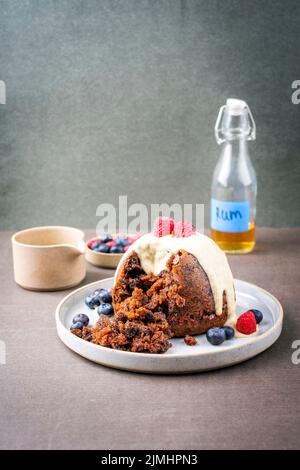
x,y
250,340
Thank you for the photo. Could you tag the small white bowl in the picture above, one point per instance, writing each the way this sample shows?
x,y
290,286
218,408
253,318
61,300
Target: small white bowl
x,y
103,260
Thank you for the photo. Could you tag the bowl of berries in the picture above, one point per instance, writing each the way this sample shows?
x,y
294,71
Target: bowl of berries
x,y
106,250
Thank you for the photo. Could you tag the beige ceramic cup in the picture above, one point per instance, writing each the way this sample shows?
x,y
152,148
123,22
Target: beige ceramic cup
x,y
49,258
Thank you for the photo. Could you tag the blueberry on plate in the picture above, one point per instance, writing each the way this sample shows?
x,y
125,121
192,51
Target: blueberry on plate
x,y
97,293
106,238
229,332
92,301
76,326
102,248
216,336
82,318
105,297
258,315
117,249
105,309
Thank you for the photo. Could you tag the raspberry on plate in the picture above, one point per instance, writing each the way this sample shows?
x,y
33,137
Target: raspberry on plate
x,y
163,226
246,323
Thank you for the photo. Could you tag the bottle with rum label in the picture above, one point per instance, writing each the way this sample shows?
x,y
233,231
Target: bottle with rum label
x,y
234,187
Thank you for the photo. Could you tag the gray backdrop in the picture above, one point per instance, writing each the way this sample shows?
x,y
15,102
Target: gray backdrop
x,y
120,97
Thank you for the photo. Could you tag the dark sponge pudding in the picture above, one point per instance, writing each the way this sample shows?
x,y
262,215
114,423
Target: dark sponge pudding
x,y
182,292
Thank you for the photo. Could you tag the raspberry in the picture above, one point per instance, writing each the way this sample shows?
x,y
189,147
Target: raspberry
x,y
91,242
163,226
183,229
246,323
111,243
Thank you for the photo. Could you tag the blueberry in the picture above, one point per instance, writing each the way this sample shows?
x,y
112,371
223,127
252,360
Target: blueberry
x,y
105,309
229,332
215,336
92,301
106,238
117,249
82,318
105,296
77,326
121,240
102,248
95,245
258,315
97,291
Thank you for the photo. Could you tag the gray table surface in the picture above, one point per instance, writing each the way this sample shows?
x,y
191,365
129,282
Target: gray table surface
x,y
50,398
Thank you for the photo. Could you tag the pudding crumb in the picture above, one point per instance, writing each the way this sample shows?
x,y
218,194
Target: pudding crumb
x,y
190,340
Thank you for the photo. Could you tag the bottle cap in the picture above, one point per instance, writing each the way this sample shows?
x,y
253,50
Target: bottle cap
x,y
235,121
235,107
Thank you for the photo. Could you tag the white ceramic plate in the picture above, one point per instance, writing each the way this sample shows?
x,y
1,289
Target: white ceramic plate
x,y
180,358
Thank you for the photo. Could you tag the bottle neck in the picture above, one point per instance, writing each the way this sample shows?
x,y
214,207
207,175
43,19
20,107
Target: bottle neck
x,y
235,163
235,152
237,147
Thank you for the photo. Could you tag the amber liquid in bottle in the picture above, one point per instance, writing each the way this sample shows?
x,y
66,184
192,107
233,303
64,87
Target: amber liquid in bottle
x,y
235,243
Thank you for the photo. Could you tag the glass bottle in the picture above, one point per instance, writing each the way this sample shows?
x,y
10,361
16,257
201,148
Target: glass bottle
x,y
234,187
